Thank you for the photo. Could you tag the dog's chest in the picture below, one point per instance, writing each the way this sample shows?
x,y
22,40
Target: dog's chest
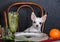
x,y
33,30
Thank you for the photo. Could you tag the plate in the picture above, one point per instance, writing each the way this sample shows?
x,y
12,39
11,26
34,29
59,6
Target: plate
x,y
30,36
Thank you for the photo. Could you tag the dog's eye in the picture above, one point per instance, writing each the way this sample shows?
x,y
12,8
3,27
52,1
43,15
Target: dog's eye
x,y
34,22
40,23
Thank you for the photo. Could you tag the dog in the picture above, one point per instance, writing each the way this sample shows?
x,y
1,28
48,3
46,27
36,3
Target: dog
x,y
36,23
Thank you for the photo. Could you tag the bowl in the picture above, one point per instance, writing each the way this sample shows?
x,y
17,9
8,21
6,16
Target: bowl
x,y
31,36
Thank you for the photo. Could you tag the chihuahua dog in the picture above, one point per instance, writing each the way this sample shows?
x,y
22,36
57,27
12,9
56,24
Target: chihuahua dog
x,y
36,23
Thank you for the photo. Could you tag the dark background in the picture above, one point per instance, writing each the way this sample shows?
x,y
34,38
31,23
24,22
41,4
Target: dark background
x,y
52,6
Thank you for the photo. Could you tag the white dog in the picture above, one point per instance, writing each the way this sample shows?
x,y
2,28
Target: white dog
x,y
37,23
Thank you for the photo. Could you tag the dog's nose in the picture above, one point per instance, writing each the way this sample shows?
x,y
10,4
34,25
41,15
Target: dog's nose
x,y
36,25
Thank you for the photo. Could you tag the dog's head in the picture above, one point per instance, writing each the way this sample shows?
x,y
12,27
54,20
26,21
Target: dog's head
x,y
37,21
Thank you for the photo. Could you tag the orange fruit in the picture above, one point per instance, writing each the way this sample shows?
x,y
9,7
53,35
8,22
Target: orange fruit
x,y
54,33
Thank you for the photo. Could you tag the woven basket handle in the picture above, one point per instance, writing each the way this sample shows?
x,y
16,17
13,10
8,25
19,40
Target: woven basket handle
x,y
25,6
26,3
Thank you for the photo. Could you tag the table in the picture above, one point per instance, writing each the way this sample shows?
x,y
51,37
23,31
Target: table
x,y
49,40
52,40
0,40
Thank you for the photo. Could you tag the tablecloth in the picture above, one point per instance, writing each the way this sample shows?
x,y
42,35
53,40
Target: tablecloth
x,y
49,40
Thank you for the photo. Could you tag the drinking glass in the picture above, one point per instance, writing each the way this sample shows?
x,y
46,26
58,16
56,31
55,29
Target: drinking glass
x,y
13,22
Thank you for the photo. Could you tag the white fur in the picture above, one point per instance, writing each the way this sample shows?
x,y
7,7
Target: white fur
x,y
38,20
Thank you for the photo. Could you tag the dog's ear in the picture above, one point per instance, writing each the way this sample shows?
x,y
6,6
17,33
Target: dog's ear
x,y
33,16
44,17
